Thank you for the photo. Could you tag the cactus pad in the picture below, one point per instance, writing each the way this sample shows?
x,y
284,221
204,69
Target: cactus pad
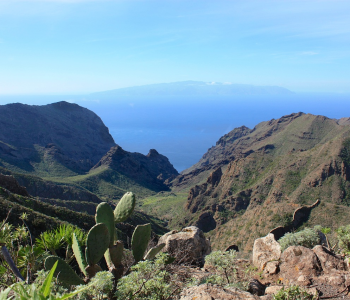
x,y
125,207
154,251
139,241
96,243
64,272
104,214
79,256
116,253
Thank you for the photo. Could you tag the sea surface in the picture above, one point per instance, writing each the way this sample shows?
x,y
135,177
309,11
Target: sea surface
x,y
183,129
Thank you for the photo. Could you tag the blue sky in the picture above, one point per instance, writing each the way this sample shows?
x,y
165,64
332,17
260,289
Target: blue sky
x,y
77,46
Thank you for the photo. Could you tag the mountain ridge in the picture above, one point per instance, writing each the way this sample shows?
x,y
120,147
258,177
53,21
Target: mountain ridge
x,y
62,143
195,88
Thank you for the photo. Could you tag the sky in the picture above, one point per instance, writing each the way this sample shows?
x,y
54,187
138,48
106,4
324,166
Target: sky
x,y
85,46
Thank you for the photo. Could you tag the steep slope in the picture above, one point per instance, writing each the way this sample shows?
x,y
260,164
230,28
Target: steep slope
x,y
149,170
253,180
45,214
55,139
64,151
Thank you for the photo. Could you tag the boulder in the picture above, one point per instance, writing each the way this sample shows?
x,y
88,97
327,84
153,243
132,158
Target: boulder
x,y
329,261
256,287
209,292
265,249
188,246
299,262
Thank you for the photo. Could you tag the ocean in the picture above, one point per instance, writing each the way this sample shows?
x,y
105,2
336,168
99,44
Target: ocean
x,y
183,129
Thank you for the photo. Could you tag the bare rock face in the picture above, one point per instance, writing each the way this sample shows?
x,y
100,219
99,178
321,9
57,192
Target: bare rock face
x,y
299,261
265,249
209,292
189,246
149,170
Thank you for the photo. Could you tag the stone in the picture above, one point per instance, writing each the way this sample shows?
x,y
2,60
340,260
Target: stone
x,y
265,249
303,280
273,289
256,287
188,246
209,292
271,268
297,261
329,261
334,279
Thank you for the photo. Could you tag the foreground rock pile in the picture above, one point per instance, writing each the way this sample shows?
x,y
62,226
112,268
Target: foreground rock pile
x,y
318,271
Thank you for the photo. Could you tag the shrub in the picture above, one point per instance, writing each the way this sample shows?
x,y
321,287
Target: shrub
x,y
148,280
293,293
343,234
224,265
308,237
99,287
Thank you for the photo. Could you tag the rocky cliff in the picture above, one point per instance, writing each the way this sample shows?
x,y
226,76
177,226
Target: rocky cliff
x,y
253,179
149,170
57,138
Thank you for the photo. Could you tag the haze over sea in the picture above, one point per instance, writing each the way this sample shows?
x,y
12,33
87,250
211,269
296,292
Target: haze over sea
x,y
183,128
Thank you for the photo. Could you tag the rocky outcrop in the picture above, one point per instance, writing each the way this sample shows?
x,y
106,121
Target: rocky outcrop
x,y
265,249
197,193
329,261
149,170
10,183
209,292
300,216
298,265
189,246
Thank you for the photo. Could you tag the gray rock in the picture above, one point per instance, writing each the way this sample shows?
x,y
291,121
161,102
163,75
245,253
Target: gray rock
x,y
209,292
189,246
329,261
271,268
297,261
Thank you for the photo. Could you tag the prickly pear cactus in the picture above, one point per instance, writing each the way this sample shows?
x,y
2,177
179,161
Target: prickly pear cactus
x,y
97,243
139,241
104,214
63,272
125,207
79,255
154,251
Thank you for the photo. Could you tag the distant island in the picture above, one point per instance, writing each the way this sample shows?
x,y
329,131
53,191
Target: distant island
x,y
195,88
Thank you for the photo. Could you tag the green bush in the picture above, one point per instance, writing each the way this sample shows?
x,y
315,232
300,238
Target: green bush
x,y
293,293
308,237
148,280
100,287
343,234
223,263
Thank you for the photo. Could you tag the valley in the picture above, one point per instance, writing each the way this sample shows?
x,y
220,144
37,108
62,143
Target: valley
x,y
248,183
